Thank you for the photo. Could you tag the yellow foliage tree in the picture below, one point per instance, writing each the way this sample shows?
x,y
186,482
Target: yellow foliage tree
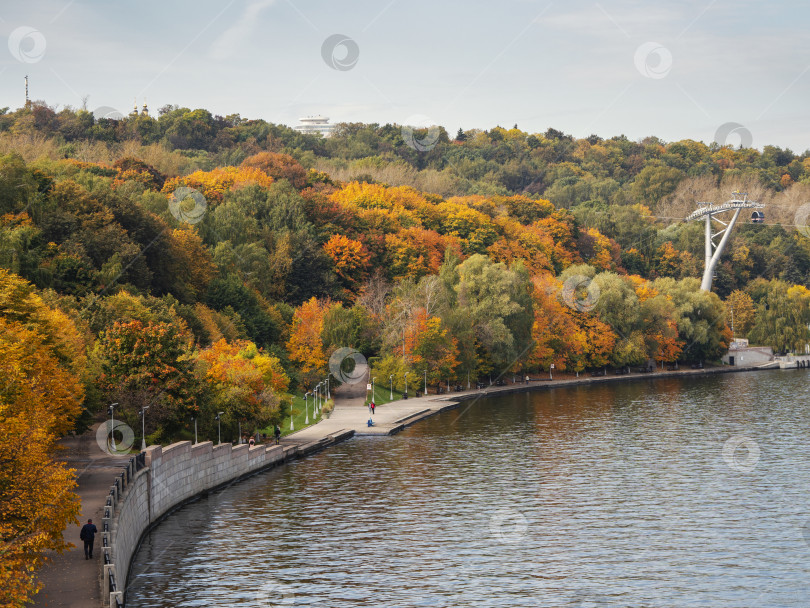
x,y
215,183
740,311
40,397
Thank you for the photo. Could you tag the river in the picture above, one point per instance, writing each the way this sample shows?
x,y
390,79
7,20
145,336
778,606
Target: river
x,y
656,493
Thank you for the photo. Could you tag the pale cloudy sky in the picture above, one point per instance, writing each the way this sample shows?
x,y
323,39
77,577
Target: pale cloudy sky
x,y
677,69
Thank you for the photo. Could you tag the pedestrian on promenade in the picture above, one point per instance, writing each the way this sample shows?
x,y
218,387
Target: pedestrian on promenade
x,y
277,433
373,405
88,535
252,441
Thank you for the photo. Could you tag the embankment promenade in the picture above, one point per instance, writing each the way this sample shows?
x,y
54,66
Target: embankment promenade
x,y
149,487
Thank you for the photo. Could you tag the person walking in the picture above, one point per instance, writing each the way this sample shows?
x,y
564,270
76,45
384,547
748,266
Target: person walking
x,y
88,535
277,433
252,441
373,406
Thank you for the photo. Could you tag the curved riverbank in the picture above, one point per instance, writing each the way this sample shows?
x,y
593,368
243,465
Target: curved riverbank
x,y
187,472
429,405
626,490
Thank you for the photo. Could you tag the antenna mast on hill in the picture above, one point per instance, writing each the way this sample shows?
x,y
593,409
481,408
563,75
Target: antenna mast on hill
x,y
27,101
709,211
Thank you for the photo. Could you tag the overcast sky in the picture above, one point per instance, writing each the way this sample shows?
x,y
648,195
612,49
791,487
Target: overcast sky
x,y
678,70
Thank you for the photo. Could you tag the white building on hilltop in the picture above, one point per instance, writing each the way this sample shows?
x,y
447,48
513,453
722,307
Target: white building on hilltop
x,y
315,124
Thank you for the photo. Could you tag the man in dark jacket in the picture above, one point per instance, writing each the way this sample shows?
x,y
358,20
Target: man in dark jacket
x,y
88,535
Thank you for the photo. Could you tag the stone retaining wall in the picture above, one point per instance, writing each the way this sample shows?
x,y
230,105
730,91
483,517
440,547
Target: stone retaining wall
x,y
171,477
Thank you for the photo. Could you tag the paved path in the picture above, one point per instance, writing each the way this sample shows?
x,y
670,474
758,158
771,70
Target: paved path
x,y
69,579
351,414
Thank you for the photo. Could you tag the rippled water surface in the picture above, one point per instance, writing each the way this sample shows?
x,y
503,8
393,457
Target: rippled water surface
x,y
619,495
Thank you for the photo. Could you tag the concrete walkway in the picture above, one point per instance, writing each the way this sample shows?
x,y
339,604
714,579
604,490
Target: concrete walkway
x,y
69,579
351,413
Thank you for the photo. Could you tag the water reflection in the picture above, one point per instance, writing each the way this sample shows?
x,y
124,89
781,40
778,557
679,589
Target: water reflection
x,y
615,495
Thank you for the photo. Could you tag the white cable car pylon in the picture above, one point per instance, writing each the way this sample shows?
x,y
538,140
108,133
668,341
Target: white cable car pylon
x,y
708,211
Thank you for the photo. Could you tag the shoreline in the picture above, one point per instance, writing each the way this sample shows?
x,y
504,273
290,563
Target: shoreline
x,y
454,400
68,572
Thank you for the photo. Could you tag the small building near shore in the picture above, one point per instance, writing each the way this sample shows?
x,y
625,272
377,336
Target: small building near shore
x,y
740,354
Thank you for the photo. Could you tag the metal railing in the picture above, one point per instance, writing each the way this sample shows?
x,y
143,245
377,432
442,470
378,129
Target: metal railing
x,y
122,480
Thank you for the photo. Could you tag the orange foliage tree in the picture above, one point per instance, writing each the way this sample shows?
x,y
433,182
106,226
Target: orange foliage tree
x,y
570,339
416,252
528,243
279,166
667,263
598,250
350,259
149,364
305,344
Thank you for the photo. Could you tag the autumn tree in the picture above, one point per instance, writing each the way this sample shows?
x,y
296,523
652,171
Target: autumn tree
x,y
493,302
741,312
248,385
40,397
350,260
700,317
305,345
279,166
215,183
435,351
149,364
782,317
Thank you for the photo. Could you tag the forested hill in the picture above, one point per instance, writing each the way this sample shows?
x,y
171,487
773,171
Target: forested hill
x,y
500,249
198,264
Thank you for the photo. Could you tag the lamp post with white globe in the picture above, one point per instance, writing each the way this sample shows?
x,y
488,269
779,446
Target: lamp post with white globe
x,y
219,428
111,409
143,427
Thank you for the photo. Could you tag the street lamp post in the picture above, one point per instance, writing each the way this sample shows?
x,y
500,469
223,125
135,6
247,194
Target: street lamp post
x,y
143,428
219,428
406,386
328,394
373,399
306,408
111,409
194,420
550,371
391,378
426,381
